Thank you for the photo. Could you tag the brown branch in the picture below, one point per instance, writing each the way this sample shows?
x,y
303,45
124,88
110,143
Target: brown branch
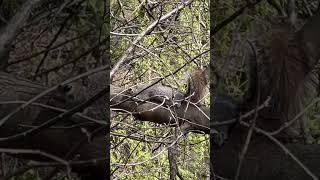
x,y
262,106
285,150
53,164
75,59
38,152
23,106
148,30
101,122
253,123
49,49
54,39
75,148
232,17
288,124
162,78
53,120
9,32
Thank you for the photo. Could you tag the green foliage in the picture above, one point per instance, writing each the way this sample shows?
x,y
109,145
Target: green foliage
x,y
314,123
154,57
160,53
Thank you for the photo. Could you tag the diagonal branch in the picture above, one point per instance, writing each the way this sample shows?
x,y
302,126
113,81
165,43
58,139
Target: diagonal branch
x,y
9,32
149,29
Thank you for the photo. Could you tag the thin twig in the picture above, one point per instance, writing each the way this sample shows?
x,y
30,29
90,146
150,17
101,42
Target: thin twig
x,y
9,32
286,150
23,106
148,30
253,123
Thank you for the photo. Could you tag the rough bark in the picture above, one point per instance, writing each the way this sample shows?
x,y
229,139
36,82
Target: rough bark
x,y
163,110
